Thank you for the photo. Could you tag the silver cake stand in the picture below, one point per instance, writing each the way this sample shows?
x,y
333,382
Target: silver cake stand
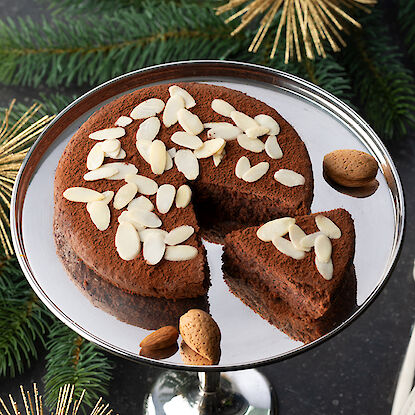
x,y
325,124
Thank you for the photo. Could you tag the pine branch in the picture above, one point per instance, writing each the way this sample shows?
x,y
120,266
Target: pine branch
x,y
384,86
73,360
406,17
23,320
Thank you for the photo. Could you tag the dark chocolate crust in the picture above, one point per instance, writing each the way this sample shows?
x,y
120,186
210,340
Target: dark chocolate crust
x,y
217,191
296,282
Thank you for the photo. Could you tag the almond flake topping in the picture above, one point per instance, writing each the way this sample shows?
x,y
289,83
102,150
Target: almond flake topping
x,y
82,194
127,241
169,162
148,233
184,139
147,109
286,247
99,213
296,236
255,132
328,227
141,202
173,105
143,147
217,124
251,144
309,240
242,166
117,155
103,172
128,217
224,130
145,185
148,129
217,157
269,122
108,133
289,178
188,99
187,163
165,197
323,248
276,227
180,234
95,157
183,196
154,248
209,148
180,253
256,172
272,148
108,195
325,269
157,157
125,195
124,169
109,146
123,121
189,122
243,121
222,107
145,218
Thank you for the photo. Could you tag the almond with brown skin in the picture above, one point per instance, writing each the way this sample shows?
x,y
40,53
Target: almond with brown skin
x,y
160,339
201,333
190,357
350,168
159,353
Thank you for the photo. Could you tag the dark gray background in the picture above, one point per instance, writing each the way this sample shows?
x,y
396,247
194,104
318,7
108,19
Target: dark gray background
x,y
353,373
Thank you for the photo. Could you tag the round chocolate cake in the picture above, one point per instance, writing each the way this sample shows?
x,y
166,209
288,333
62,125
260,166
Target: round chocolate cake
x,y
151,172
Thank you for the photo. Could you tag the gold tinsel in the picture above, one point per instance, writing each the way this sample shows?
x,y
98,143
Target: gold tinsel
x,y
33,405
15,141
308,24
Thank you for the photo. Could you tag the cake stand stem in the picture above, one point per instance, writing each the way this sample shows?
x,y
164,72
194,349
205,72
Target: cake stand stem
x,y
208,393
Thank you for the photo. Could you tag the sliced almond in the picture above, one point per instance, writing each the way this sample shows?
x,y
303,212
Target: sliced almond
x,y
146,218
173,105
189,122
276,227
309,240
180,253
157,157
146,186
110,146
323,248
287,247
255,132
126,216
154,248
103,172
143,147
218,157
187,163
108,195
226,131
172,152
188,99
124,169
165,197
117,155
243,121
256,172
328,227
82,194
269,122
95,157
141,202
209,148
325,269
169,162
125,195
148,129
127,241
217,124
99,213
289,178
147,109
180,234
242,166
222,107
123,121
183,196
251,144
108,133
187,140
296,236
148,233
272,148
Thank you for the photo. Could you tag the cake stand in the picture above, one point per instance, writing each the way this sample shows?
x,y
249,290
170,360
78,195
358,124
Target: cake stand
x,y
325,124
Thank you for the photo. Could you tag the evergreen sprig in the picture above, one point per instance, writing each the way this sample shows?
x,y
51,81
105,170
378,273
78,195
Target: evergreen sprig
x,y
73,360
384,86
406,17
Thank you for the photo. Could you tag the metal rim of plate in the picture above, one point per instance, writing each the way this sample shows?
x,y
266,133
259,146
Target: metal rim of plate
x,y
204,68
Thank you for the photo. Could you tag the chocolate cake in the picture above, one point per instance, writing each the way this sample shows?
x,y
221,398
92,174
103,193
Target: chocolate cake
x,y
277,182
295,281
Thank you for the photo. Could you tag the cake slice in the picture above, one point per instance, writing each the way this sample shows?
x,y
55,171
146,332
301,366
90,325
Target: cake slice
x,y
297,282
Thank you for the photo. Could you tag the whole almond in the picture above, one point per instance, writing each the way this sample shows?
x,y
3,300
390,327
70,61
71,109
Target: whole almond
x,y
160,339
201,333
350,168
190,357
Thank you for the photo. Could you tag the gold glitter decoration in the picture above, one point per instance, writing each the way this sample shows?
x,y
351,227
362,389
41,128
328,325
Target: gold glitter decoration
x,y
66,404
308,24
15,142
